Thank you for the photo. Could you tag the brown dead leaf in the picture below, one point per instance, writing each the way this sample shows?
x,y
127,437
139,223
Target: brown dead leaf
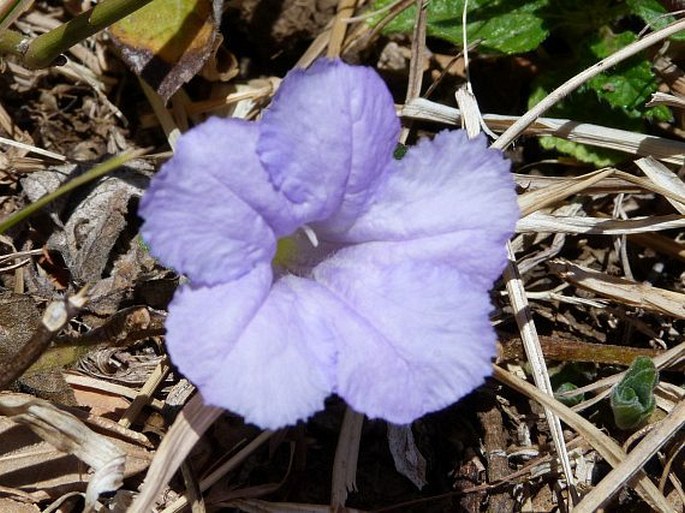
x,y
95,224
94,234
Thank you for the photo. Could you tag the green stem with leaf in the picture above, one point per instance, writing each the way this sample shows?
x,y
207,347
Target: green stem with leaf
x,y
46,48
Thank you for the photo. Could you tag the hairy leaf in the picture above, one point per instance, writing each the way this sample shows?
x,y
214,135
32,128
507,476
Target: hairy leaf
x,y
632,399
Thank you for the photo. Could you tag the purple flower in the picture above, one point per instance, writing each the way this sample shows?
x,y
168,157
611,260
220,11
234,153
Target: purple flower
x,y
384,301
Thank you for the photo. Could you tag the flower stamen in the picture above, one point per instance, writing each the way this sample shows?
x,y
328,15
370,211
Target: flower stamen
x,y
311,235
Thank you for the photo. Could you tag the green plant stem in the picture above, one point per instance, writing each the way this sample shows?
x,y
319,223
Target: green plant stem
x,y
13,42
94,173
44,49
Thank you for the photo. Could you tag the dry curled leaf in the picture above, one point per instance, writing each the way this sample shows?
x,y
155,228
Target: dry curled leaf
x,y
67,434
408,460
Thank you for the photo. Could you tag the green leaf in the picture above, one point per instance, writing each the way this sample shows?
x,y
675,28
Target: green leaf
x,y
598,157
632,399
568,400
506,26
654,14
629,86
615,98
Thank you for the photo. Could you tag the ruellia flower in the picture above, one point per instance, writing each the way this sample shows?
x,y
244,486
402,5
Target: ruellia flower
x,y
320,264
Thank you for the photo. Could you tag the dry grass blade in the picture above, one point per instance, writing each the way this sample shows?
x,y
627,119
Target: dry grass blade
x,y
531,344
346,454
664,177
611,185
191,423
637,458
166,120
339,28
625,141
625,291
34,149
602,443
416,62
538,199
660,243
537,222
144,396
68,434
660,98
223,469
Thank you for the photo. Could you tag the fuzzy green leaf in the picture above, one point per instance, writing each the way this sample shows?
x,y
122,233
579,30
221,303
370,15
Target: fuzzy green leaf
x,y
632,399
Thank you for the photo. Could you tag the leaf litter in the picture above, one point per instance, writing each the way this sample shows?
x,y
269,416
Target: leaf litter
x,y
598,280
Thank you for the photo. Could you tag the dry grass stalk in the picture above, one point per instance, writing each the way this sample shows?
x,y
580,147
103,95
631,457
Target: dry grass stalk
x,y
642,295
190,425
634,143
346,454
536,358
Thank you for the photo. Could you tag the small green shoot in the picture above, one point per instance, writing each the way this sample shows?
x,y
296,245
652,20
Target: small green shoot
x,y
632,399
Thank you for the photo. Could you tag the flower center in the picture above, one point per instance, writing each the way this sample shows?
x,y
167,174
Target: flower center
x,y
300,252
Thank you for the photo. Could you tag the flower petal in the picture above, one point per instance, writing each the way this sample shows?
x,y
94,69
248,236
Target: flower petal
x,y
327,139
417,337
443,185
270,359
211,212
204,321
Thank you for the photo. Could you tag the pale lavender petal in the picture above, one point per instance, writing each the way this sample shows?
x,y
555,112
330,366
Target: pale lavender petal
x,y
270,359
441,186
327,139
211,212
416,336
204,322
